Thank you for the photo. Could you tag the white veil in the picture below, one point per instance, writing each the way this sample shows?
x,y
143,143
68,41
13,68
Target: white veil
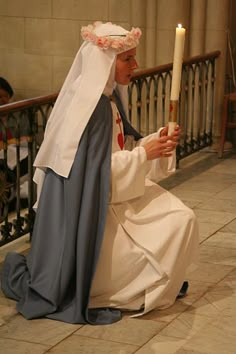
x,y
80,93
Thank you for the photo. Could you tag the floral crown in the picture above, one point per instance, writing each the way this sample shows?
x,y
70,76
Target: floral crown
x,y
119,42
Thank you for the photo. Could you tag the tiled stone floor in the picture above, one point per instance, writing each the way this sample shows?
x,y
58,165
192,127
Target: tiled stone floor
x,y
204,322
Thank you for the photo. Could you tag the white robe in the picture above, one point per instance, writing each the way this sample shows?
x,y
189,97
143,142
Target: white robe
x,y
150,237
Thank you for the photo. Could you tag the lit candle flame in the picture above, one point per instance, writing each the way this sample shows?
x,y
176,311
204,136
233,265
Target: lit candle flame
x,y
179,25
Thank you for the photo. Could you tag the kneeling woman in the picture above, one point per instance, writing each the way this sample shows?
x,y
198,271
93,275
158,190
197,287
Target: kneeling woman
x,y
107,237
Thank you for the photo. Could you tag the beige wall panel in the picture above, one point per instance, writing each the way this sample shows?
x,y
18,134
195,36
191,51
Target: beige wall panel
x,y
151,23
119,11
197,27
198,14
150,47
138,12
150,13
165,40
171,12
32,93
90,10
8,68
141,51
217,18
26,8
52,37
29,93
11,33
61,67
216,40
38,72
28,71
197,42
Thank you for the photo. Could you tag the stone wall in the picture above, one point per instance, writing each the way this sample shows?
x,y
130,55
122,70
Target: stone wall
x,y
39,38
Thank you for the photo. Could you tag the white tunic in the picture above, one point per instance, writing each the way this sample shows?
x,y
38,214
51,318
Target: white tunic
x,y
150,238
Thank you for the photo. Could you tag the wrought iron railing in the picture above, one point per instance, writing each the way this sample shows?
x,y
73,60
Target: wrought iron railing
x,y
22,126
25,122
149,97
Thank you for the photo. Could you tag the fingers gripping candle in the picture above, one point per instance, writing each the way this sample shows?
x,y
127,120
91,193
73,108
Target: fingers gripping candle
x,y
176,77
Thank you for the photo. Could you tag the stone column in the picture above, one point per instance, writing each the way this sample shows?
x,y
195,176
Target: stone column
x,y
150,33
197,31
169,14
138,19
217,17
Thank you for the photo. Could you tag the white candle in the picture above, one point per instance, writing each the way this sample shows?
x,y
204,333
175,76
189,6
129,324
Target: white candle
x,y
177,62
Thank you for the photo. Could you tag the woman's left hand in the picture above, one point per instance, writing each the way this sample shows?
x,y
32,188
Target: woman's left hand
x,y
175,136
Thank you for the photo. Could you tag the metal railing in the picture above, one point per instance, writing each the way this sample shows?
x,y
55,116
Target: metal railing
x,y
22,126
149,97
17,152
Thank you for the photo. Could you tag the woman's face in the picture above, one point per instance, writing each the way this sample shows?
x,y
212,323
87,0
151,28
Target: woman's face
x,y
125,66
4,97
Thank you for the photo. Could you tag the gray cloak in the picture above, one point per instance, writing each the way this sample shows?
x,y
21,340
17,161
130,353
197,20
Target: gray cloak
x,y
54,280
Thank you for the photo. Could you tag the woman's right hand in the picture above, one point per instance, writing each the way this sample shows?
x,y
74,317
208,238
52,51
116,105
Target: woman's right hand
x,y
161,147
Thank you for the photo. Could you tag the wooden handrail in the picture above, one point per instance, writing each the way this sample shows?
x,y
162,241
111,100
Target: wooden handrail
x,y
168,67
27,103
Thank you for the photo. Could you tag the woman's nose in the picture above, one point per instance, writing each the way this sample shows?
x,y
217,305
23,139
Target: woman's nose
x,y
134,64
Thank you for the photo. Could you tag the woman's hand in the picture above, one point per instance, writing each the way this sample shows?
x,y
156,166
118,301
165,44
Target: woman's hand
x,y
175,135
163,146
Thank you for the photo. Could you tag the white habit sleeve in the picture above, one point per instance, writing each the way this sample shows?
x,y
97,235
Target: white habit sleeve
x,y
159,168
128,171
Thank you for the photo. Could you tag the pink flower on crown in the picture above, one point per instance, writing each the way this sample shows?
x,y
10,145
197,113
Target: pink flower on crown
x,y
103,42
117,43
136,32
129,41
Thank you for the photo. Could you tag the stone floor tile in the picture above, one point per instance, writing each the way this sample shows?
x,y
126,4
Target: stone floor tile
x,y
209,272
230,227
162,345
191,333
223,299
195,291
42,331
204,185
230,279
11,346
136,331
217,255
217,337
7,310
190,203
227,166
222,239
166,315
207,229
189,195
205,307
224,292
222,205
183,327
83,345
228,193
211,216
20,245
